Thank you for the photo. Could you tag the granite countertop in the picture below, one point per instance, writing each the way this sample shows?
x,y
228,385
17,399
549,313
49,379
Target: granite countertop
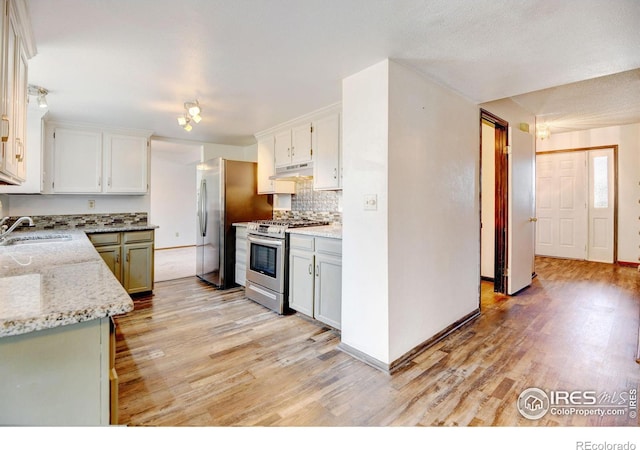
x,y
329,231
54,283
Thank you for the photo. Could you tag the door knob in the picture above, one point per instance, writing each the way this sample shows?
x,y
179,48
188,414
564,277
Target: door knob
x,y
533,219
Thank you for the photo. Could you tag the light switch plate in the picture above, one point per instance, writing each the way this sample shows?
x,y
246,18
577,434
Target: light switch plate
x,y
370,202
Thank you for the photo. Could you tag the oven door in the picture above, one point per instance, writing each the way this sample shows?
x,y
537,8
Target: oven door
x,y
266,263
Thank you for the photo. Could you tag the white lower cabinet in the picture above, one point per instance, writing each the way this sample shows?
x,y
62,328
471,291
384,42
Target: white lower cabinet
x,y
315,278
241,255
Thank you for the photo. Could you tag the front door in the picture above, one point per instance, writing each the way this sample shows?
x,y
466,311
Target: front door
x,y
520,228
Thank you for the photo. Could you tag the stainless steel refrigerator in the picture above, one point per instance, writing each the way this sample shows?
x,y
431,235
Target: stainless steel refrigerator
x,y
227,194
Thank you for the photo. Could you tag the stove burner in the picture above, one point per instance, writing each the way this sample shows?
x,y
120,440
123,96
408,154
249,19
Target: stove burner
x,y
293,223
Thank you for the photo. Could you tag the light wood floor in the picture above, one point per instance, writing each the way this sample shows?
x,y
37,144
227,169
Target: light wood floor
x,y
191,355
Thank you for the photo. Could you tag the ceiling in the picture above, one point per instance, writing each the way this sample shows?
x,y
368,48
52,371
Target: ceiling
x,y
255,63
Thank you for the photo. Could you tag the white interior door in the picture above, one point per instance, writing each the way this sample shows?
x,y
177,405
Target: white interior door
x,y
601,205
561,205
520,227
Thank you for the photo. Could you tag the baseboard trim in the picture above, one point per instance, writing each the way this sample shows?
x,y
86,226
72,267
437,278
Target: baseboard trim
x,y
408,356
628,264
174,248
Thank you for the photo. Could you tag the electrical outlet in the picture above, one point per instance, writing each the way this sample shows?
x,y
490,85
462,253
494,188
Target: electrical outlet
x,y
92,204
177,234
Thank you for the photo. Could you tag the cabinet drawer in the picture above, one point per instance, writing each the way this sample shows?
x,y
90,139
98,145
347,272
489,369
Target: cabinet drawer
x,y
104,238
241,232
330,246
138,236
301,242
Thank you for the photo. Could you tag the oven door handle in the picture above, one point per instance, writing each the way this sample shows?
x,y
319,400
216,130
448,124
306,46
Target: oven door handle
x,y
269,242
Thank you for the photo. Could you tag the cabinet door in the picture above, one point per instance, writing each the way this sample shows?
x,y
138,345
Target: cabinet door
x,y
328,289
112,256
20,114
77,161
126,161
282,149
138,267
301,144
10,55
301,281
326,153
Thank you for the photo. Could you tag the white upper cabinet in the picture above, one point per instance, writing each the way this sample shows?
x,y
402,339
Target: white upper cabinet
x,y
126,163
313,139
77,161
282,148
293,146
85,160
301,151
326,153
16,46
266,169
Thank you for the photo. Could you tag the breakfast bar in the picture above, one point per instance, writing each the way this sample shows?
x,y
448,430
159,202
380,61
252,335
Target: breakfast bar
x,y
57,300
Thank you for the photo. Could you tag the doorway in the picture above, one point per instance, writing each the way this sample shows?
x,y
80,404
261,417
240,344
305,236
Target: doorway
x,y
507,222
576,203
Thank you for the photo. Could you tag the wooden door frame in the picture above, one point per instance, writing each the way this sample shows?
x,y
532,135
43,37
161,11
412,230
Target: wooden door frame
x,y
501,128
615,185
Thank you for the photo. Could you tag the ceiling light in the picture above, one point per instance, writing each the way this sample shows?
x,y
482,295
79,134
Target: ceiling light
x,y
193,108
542,131
40,93
190,115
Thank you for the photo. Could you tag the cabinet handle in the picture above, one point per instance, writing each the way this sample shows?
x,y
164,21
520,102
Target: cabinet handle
x,y
20,150
5,122
127,259
293,151
117,258
335,173
317,270
288,152
109,182
310,269
99,181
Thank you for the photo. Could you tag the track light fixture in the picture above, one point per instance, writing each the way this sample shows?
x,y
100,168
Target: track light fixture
x,y
191,114
40,93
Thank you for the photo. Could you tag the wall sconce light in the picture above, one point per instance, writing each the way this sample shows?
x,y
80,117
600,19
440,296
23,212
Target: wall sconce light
x,y
191,114
40,93
542,131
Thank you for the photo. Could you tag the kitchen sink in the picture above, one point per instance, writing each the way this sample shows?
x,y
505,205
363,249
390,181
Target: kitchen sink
x,y
36,239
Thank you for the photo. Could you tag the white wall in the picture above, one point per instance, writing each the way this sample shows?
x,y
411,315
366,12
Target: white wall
x,y
249,153
365,256
4,205
173,193
627,137
410,268
37,205
434,249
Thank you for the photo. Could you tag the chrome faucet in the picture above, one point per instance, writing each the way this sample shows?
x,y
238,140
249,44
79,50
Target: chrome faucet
x,y
4,230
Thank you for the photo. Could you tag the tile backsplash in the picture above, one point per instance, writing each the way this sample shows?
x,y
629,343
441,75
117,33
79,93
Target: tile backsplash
x,y
309,204
71,221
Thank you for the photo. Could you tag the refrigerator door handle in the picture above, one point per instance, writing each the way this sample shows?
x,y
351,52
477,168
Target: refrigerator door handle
x,y
204,207
200,208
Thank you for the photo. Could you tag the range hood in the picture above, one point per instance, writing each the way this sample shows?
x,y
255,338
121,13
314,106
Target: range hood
x,y
294,172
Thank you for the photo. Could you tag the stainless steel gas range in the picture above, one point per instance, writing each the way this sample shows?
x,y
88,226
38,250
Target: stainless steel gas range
x,y
268,266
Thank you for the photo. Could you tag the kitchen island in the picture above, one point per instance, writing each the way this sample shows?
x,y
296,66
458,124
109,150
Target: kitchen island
x,y
57,300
